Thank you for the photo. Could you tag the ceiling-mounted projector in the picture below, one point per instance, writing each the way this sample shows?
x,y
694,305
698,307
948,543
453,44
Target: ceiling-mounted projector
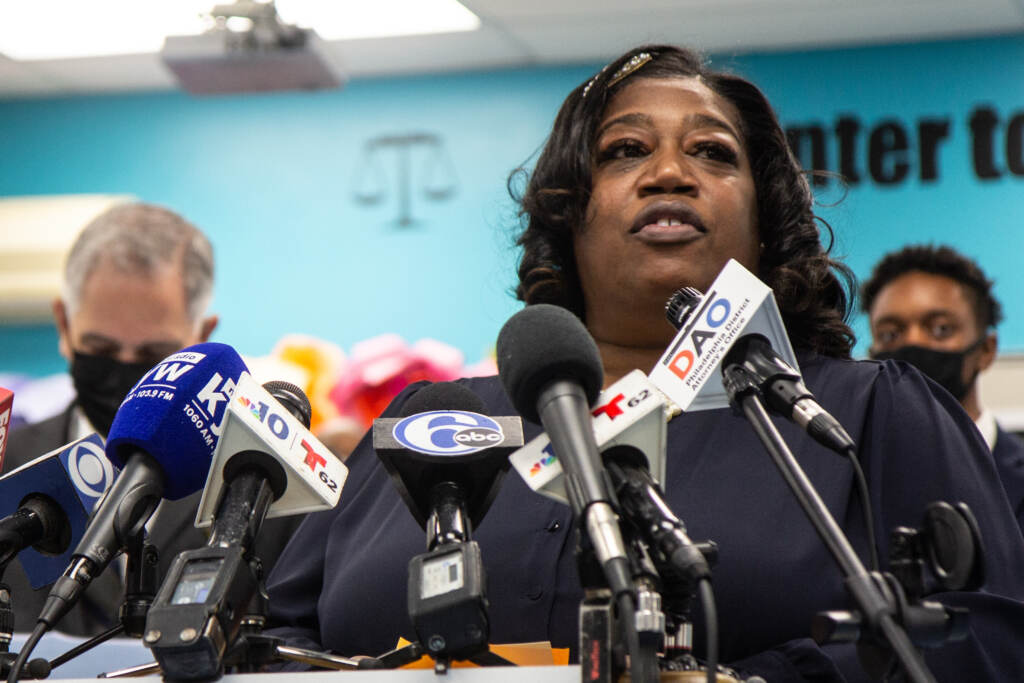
x,y
265,55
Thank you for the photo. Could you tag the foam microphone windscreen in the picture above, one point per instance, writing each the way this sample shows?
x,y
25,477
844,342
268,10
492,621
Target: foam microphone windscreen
x,y
174,414
293,399
543,343
443,396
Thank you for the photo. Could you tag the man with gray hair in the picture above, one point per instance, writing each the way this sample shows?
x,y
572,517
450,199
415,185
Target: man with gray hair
x,y
137,282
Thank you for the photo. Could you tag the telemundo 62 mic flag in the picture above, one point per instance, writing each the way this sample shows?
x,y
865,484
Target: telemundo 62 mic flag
x,y
256,421
631,412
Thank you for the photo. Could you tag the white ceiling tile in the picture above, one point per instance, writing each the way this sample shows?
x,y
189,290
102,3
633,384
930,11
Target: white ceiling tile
x,y
527,32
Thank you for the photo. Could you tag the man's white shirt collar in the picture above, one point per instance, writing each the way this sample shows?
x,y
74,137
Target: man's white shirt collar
x,y
987,426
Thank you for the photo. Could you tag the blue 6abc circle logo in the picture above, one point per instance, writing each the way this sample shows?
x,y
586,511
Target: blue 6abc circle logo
x,y
448,432
90,471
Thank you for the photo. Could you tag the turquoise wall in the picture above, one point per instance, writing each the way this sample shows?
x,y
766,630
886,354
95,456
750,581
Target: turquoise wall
x,y
271,179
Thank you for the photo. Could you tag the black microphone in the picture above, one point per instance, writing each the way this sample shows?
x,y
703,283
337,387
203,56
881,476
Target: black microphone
x,y
784,391
551,369
447,459
39,521
643,503
198,610
164,447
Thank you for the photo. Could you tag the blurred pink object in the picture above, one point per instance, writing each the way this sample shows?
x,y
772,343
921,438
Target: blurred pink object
x,y
379,368
483,368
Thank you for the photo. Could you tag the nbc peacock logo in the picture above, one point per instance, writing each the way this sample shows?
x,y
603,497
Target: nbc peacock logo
x,y
251,405
548,459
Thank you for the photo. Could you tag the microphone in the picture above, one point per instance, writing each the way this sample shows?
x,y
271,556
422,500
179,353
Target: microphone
x,y
265,456
162,438
784,391
6,402
631,412
46,503
447,460
737,303
738,323
443,435
643,503
551,368
268,425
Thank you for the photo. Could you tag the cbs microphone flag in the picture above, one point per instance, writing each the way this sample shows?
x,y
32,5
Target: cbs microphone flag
x,y
737,303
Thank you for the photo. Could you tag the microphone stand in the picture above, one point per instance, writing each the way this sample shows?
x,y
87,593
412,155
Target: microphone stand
x,y
252,650
870,590
450,621
140,588
6,625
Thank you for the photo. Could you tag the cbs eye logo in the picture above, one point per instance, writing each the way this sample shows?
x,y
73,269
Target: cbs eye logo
x,y
448,432
89,469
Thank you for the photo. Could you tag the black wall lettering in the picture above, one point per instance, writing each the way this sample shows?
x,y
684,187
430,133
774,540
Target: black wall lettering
x,y
983,123
847,128
930,132
816,159
888,141
1015,145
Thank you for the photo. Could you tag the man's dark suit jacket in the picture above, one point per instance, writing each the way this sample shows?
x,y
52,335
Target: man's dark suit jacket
x,y
171,531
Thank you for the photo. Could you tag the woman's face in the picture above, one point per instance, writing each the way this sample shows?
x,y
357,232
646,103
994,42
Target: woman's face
x,y
673,197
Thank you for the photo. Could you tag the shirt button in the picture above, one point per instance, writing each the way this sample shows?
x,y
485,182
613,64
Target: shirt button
x,y
535,592
554,526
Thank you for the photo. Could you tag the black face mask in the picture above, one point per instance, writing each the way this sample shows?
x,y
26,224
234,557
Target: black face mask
x,y
944,367
102,383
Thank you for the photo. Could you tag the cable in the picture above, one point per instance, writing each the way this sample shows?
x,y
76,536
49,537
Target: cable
x,y
26,650
86,646
627,617
707,601
865,504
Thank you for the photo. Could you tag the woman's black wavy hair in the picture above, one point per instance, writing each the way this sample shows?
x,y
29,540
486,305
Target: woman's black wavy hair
x,y
812,289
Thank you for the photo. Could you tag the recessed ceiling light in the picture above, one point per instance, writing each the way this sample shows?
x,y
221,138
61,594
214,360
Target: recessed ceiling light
x,y
353,19
61,29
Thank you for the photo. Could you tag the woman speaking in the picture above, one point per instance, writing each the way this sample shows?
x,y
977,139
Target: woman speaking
x,y
656,173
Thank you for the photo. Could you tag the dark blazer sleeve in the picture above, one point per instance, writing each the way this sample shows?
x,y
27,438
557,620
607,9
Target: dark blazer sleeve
x,y
1009,456
919,446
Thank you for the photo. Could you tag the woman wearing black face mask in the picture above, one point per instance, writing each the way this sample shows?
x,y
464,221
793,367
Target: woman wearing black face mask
x,y
933,308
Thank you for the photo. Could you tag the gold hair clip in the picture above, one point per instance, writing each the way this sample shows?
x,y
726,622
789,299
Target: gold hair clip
x,y
586,88
634,63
